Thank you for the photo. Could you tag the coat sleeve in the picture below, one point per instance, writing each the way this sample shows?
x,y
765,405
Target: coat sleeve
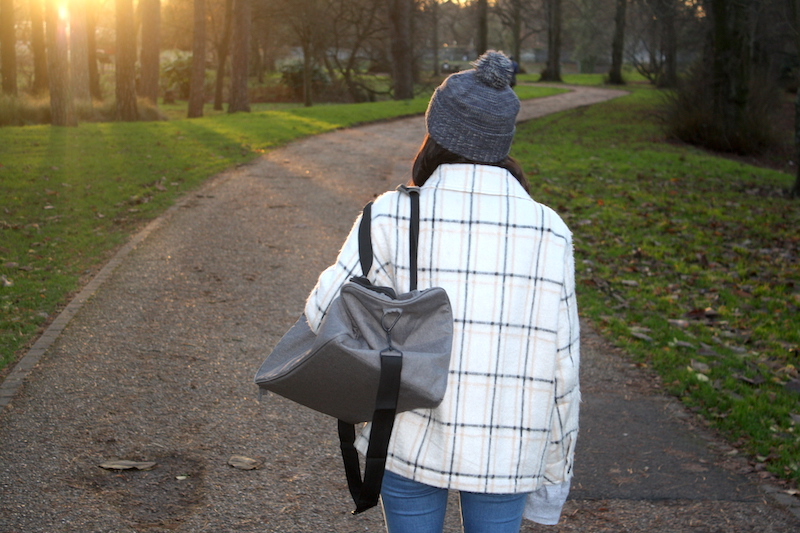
x,y
564,425
331,280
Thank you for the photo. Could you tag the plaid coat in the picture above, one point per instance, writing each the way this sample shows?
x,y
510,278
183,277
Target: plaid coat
x,y
509,419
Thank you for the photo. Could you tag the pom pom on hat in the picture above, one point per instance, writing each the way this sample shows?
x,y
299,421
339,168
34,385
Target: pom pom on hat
x,y
494,69
473,113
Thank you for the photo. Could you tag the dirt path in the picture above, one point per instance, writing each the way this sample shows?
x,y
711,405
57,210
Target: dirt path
x,y
157,365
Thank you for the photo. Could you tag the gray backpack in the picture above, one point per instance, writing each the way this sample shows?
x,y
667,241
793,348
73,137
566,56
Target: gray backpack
x,y
376,353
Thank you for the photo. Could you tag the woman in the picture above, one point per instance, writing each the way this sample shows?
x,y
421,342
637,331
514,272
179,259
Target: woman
x,y
505,434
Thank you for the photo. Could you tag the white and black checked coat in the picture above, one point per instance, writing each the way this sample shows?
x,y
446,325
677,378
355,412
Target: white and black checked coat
x,y
509,419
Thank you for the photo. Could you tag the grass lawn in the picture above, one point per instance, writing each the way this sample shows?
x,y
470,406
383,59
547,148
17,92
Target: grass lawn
x,y
685,260
69,197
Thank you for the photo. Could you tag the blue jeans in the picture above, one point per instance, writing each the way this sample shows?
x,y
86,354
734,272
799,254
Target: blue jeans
x,y
412,507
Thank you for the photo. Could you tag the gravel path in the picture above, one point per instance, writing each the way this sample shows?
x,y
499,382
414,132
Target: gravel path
x,y
155,360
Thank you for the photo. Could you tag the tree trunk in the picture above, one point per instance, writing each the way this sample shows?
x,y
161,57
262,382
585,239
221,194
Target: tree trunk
x,y
402,54
222,56
552,71
482,43
669,43
38,48
198,80
62,112
796,189
434,5
8,45
307,74
79,51
516,29
91,39
730,65
240,60
151,48
795,21
125,75
618,44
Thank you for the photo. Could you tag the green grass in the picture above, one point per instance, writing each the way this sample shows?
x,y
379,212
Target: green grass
x,y
69,197
685,260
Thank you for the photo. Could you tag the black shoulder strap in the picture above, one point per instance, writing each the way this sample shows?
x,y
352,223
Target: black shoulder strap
x,y
414,236
365,240
366,491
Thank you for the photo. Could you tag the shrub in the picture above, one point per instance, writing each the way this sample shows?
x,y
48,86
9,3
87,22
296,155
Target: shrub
x,y
292,77
691,116
26,111
176,76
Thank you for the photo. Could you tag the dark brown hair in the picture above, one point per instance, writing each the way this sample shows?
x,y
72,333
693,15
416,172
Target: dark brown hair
x,y
431,154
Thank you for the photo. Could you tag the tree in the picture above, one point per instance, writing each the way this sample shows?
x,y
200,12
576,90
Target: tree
x,y
482,42
223,46
240,57
8,44
79,51
400,12
432,8
125,76
522,18
794,18
618,44
730,63
151,48
62,112
306,18
91,39
589,25
352,26
552,71
666,13
38,48
197,85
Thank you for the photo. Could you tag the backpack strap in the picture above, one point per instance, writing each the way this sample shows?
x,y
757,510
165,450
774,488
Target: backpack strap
x,y
366,491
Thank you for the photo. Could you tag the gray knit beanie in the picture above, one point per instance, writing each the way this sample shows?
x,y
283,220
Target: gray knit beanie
x,y
472,113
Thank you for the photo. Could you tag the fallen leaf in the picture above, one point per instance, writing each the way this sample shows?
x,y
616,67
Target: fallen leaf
x,y
793,386
127,465
678,323
243,463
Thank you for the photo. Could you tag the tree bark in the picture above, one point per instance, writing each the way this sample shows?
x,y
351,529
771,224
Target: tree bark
x,y
91,39
197,85
38,48
240,57
434,6
222,56
516,30
666,14
125,76
795,192
618,44
552,71
62,112
795,21
79,51
482,42
401,48
151,49
8,44
730,65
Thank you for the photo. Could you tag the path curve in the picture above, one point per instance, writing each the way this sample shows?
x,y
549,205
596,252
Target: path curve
x,y
154,362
